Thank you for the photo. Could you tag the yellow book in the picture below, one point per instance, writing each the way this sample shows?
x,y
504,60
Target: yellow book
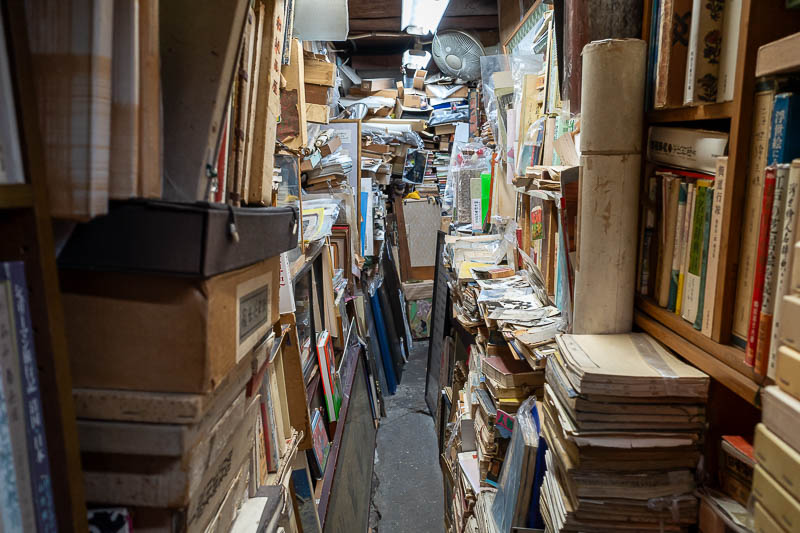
x,y
775,499
779,459
763,521
787,370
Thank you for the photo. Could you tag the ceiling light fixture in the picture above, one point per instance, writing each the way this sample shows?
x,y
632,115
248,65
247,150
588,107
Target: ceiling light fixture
x,y
421,17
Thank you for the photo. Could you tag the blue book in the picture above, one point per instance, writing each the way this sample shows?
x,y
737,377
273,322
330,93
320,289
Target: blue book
x,y
784,136
38,458
652,60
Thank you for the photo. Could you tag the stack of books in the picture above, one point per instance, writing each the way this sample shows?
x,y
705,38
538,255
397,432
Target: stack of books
x,y
777,439
623,421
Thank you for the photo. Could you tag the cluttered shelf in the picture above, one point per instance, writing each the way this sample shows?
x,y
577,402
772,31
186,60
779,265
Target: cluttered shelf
x,y
15,196
724,363
718,111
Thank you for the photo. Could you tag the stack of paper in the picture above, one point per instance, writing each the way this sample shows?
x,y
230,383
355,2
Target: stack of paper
x,y
623,421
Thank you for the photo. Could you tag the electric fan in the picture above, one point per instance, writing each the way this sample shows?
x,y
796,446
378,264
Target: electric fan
x,y
457,54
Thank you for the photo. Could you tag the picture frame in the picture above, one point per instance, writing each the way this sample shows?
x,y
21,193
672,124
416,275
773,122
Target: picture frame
x,y
523,32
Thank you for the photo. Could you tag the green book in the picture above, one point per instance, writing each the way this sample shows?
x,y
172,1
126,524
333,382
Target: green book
x,y
698,321
676,256
691,286
486,187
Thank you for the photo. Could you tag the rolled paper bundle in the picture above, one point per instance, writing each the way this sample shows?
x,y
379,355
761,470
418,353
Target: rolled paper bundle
x,y
612,96
605,275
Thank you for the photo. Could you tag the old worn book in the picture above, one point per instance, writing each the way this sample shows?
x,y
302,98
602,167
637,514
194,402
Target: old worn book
x,y
784,260
74,100
762,113
124,165
692,149
787,370
714,246
601,364
705,47
770,181
674,23
776,499
671,187
778,459
694,269
508,372
780,414
731,20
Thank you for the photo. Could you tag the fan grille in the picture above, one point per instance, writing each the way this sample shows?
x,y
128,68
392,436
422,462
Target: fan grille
x,y
457,54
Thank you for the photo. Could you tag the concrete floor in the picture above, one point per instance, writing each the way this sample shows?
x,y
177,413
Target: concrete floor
x,y
407,483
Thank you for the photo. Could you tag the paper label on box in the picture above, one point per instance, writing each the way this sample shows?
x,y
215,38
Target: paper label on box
x,y
253,312
476,214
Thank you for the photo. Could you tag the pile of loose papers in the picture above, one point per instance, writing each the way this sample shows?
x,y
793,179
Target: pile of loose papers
x,y
623,421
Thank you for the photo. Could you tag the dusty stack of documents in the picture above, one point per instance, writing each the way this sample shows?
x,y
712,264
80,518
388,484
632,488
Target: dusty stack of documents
x,y
623,420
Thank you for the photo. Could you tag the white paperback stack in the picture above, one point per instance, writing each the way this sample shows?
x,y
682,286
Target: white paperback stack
x,y
623,421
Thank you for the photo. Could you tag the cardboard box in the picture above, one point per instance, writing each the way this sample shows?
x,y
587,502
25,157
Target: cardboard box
x,y
165,334
316,94
445,129
400,89
197,483
376,84
778,503
779,459
317,113
333,144
787,370
419,79
318,72
415,100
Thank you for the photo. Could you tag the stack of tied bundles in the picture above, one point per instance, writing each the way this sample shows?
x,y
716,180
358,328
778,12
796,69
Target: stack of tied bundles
x,y
623,421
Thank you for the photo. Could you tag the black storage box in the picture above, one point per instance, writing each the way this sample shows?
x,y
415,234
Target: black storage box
x,y
180,239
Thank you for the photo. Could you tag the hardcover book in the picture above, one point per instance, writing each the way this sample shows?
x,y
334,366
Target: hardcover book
x,y
686,148
705,47
762,114
673,34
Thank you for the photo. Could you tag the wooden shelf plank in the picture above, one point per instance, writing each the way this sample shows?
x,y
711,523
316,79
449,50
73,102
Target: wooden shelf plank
x,y
16,196
685,114
723,363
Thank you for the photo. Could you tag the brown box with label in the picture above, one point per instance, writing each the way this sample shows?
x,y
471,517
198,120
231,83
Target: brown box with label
x,y
165,333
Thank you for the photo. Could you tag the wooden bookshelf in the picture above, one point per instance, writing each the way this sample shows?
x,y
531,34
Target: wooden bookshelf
x,y
761,22
26,227
687,114
16,196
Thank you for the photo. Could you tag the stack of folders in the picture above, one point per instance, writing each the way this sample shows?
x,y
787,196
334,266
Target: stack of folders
x,y
623,421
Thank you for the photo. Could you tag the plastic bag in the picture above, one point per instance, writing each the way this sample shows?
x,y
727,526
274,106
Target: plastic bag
x,y
497,93
319,216
530,151
467,161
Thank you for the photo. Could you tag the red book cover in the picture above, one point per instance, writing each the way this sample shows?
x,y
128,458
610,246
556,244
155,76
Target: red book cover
x,y
761,265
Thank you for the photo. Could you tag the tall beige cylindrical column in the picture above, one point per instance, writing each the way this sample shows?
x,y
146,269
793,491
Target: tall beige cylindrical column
x,y
611,145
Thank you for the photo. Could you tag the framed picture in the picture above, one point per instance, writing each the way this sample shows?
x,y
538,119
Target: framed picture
x,y
522,39
340,248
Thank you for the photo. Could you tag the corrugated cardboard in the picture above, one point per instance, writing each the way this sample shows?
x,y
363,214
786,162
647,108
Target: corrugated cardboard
x,y
775,499
764,522
165,334
197,483
419,79
377,84
779,459
787,370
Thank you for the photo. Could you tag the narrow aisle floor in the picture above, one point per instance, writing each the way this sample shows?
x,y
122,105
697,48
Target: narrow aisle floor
x,y
407,483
